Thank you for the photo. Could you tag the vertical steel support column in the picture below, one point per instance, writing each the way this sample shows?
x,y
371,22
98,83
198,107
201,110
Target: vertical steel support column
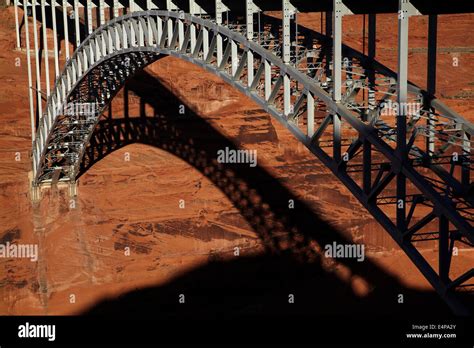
x,y
268,79
45,46
180,33
89,16
372,53
30,78
149,6
194,10
55,39
77,29
160,29
39,101
102,22
66,31
367,167
287,13
372,46
116,8
402,88
287,107
466,158
310,113
170,7
339,10
193,37
170,31
328,55
101,12
205,41
250,9
431,81
444,255
336,121
17,26
234,57
404,12
131,6
124,35
141,34
219,10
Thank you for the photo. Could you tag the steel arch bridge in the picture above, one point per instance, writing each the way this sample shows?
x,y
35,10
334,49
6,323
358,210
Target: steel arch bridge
x,y
408,165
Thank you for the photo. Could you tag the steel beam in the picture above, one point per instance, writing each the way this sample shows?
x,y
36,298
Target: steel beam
x,y
339,10
90,28
406,10
30,78
466,160
287,106
45,46
268,79
431,79
432,48
170,6
66,31
193,37
77,28
101,12
116,8
250,9
220,9
205,41
39,100
310,114
55,39
288,12
234,57
444,254
17,27
372,52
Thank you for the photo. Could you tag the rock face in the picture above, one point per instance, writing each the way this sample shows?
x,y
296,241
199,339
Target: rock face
x,y
158,205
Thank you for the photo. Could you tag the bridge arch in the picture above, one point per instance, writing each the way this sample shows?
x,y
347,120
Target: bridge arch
x,y
302,105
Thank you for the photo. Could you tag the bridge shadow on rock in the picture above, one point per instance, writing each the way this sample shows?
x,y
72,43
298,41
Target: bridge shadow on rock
x,y
249,285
